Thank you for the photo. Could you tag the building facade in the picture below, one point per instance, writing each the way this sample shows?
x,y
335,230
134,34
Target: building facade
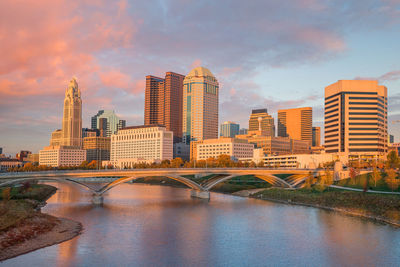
x,y
150,143
71,134
260,120
56,156
107,123
212,148
200,105
295,123
276,145
229,129
356,118
97,148
163,102
316,136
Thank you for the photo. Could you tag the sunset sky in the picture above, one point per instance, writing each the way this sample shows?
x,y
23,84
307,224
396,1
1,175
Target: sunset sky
x,y
265,54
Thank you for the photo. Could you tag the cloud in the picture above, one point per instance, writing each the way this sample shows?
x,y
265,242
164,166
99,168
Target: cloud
x,y
386,77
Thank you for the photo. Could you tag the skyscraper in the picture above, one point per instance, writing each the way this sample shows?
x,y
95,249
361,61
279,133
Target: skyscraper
x,y
316,136
200,105
229,129
163,102
260,117
356,118
107,122
72,116
295,123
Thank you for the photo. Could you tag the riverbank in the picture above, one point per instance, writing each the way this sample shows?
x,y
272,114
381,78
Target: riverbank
x,y
381,208
23,228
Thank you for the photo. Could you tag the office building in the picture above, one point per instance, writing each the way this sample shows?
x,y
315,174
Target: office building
x,y
276,145
295,123
316,136
71,134
229,129
182,150
55,139
260,120
356,118
212,148
391,139
86,132
33,158
107,123
97,148
1,150
149,143
7,163
56,156
243,131
163,102
23,155
200,105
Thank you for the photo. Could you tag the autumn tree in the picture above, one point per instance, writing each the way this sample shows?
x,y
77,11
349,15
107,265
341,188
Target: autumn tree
x,y
176,162
392,160
376,175
391,180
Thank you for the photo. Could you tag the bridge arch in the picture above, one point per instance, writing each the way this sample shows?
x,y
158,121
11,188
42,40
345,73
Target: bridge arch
x,y
189,183
272,179
48,179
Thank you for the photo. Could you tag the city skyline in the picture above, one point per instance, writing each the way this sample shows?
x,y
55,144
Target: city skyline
x,y
315,49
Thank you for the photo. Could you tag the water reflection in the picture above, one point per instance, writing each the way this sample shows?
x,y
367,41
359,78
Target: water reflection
x,y
162,226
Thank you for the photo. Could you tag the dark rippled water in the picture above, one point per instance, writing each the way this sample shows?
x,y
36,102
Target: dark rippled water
x,y
142,225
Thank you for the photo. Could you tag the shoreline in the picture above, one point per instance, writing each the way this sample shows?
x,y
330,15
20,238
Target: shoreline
x,y
64,230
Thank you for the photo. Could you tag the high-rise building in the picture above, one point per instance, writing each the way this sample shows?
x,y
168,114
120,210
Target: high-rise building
x,y
72,116
391,139
86,132
229,129
316,136
295,123
356,118
260,120
56,137
200,105
107,122
163,102
1,150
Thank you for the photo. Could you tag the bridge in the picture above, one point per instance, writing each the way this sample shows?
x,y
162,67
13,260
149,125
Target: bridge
x,y
295,177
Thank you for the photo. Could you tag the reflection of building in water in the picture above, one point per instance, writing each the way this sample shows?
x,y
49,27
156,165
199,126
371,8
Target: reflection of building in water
x,y
67,252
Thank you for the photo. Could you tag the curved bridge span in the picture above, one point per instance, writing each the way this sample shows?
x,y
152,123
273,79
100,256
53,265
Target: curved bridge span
x,y
294,177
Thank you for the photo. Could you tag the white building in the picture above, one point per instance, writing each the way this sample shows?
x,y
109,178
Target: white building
x,y
56,156
152,143
212,148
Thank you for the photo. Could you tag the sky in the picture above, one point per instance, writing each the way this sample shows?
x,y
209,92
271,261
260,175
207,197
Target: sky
x,y
265,54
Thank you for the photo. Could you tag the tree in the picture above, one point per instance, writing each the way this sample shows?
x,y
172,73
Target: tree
x,y
176,162
353,174
328,177
391,180
376,174
309,181
224,160
392,160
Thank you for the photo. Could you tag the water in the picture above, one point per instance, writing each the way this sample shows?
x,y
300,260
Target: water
x,y
142,225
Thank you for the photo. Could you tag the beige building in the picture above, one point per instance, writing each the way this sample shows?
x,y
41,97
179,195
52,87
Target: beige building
x,y
7,163
295,123
356,118
302,161
56,156
200,105
55,139
71,134
276,145
150,143
260,120
212,148
33,158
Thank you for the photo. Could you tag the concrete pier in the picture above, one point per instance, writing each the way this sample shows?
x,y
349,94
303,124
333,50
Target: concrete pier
x,y
200,194
97,199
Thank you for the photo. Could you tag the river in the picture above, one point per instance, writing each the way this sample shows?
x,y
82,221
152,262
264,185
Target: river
x,y
143,225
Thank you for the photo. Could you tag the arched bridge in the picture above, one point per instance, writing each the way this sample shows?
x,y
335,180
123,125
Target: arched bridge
x,y
294,178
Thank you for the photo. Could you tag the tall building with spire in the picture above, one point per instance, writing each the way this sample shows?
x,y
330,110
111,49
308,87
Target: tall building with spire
x,y
72,116
200,105
260,120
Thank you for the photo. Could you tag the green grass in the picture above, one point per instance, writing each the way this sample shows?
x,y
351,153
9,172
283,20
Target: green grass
x,y
383,205
40,192
360,180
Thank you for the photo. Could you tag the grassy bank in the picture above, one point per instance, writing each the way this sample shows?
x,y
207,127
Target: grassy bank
x,y
378,206
39,192
366,179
